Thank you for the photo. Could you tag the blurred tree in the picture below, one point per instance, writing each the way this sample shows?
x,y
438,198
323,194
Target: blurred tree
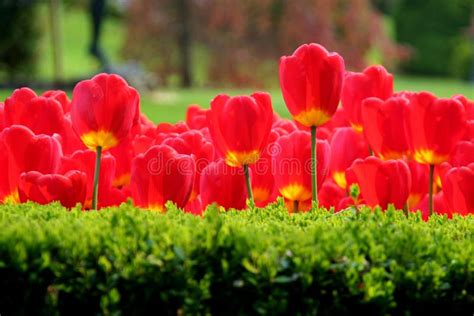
x,y
184,41
18,38
437,32
385,6
240,42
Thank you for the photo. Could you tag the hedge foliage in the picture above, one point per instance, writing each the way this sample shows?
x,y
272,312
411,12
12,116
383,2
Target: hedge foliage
x,y
125,261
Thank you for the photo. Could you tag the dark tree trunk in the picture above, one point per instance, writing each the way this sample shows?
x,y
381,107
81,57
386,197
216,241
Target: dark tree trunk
x,y
184,42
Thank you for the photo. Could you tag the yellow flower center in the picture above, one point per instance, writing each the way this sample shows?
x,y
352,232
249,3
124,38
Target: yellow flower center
x,y
260,194
313,117
156,207
340,179
295,192
104,139
239,158
122,180
357,127
428,156
12,198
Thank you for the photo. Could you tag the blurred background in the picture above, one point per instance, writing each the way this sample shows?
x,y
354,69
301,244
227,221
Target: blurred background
x,y
178,52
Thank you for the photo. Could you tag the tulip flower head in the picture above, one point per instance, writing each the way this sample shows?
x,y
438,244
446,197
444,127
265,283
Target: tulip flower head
x,y
458,190
84,161
433,127
331,194
263,182
382,182
22,151
69,189
374,81
346,146
240,126
311,83
420,183
382,123
193,143
161,175
103,110
42,115
291,165
196,117
224,185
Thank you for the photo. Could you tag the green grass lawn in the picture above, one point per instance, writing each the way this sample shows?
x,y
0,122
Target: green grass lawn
x,y
169,105
75,31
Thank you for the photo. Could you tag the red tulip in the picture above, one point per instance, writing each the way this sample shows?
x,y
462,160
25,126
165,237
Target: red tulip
x,y
311,82
383,126
462,154
84,160
468,106
59,96
22,151
291,161
2,116
161,175
123,154
346,146
339,119
433,126
283,126
40,114
193,143
263,182
330,195
469,135
419,183
141,143
168,128
348,202
223,185
196,117
439,206
374,81
194,205
103,110
240,126
70,142
458,189
68,189
382,182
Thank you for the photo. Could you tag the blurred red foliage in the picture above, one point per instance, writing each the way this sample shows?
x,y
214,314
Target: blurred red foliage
x,y
240,42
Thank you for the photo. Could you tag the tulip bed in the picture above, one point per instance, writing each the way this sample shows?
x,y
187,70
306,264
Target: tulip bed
x,y
265,261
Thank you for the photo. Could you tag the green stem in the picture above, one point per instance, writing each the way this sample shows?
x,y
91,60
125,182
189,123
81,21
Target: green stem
x,y
95,193
296,205
431,189
249,186
313,167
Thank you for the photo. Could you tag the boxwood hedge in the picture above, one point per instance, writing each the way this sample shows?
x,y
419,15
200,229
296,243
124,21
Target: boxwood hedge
x,y
129,261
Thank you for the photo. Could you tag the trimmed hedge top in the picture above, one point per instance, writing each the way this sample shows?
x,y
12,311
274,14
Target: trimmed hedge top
x,y
128,261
